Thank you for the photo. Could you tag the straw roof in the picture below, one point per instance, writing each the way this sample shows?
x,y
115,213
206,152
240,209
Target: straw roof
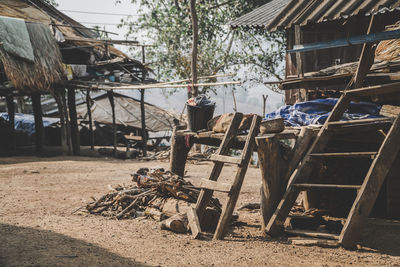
x,y
45,72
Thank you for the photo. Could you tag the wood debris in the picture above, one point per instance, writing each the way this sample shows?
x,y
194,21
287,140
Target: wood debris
x,y
152,190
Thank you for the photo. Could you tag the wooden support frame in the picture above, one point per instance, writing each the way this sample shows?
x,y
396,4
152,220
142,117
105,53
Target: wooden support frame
x,y
11,118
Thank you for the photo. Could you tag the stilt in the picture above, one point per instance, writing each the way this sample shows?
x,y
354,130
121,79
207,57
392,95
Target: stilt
x,y
143,118
11,118
89,112
110,95
74,122
38,114
64,142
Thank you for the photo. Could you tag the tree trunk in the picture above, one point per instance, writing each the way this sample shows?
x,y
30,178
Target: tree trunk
x,y
110,95
195,28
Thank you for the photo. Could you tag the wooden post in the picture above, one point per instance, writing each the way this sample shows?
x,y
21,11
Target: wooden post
x,y
195,28
269,158
38,114
300,62
74,122
11,118
265,97
67,121
142,109
179,153
64,142
89,112
110,95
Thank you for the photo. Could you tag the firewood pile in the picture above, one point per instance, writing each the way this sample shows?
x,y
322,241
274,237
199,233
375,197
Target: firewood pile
x,y
151,194
192,156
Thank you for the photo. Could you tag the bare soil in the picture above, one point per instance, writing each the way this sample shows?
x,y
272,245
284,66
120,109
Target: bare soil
x,y
37,227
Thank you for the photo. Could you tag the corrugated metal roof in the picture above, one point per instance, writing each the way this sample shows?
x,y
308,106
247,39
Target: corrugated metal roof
x,y
302,12
260,17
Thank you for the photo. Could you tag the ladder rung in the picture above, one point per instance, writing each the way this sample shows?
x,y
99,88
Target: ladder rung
x,y
328,186
215,186
226,159
314,234
345,155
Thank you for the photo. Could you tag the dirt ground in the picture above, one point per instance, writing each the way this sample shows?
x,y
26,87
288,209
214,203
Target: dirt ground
x,y
38,195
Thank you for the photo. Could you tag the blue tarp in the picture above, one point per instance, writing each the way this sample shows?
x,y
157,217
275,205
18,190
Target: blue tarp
x,y
26,123
317,111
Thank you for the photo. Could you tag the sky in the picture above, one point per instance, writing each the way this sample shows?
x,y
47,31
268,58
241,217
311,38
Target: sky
x,y
249,100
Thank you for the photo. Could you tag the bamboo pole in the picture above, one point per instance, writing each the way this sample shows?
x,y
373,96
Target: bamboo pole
x,y
142,109
38,115
147,86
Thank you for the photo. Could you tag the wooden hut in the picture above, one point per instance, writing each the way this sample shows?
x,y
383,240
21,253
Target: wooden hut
x,y
37,65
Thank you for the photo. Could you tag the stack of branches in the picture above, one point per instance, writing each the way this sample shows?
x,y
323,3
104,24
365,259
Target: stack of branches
x,y
152,189
47,69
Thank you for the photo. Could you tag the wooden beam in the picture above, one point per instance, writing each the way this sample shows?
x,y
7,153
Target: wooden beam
x,y
215,186
74,122
110,95
64,142
375,90
355,40
38,115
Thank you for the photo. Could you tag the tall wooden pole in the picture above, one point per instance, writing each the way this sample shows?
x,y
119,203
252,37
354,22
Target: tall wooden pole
x,y
89,112
64,142
11,118
195,29
142,108
74,122
110,95
38,114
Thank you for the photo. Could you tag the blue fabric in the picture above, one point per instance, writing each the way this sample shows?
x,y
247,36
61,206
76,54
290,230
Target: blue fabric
x,y
317,111
26,123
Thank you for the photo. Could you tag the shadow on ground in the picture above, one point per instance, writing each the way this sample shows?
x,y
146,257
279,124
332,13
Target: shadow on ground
x,y
21,246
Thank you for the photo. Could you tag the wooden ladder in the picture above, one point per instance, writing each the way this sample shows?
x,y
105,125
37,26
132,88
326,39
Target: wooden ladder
x,y
195,214
367,191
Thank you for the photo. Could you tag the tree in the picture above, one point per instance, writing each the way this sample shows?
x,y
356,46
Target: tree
x,y
167,25
51,2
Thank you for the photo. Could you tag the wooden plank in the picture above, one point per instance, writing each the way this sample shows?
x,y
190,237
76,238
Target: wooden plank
x,y
363,121
314,242
205,195
226,159
194,222
269,159
345,155
248,149
133,137
371,186
215,186
309,233
327,186
374,90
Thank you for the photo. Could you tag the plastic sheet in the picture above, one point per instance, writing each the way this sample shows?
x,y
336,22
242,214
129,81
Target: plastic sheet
x,y
317,111
26,123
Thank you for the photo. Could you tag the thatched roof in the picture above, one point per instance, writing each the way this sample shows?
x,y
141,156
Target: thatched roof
x,y
45,72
